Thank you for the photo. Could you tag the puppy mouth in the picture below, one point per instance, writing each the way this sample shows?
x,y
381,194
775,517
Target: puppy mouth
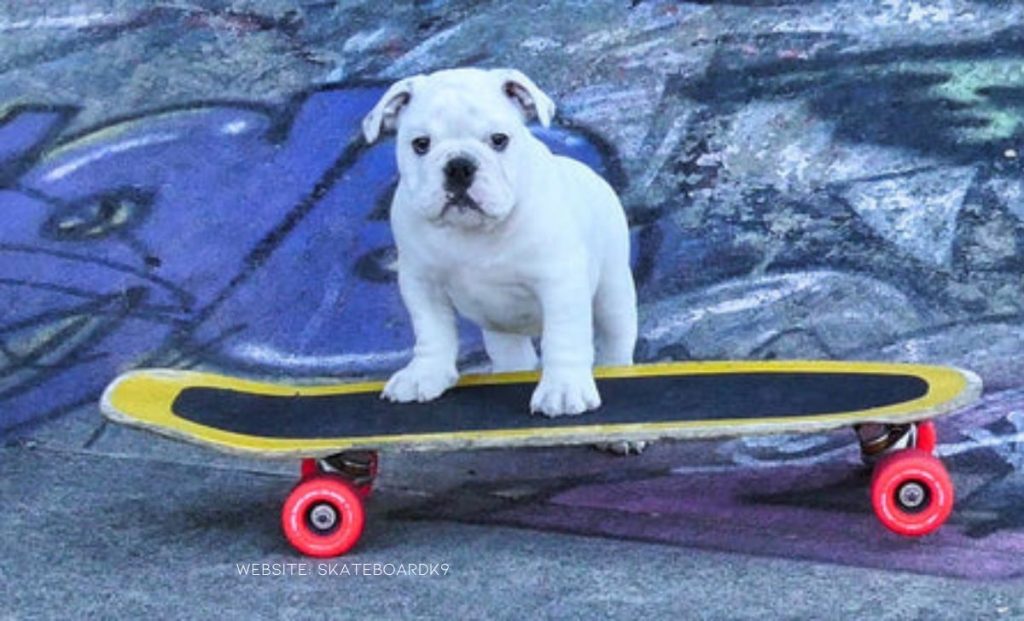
x,y
462,202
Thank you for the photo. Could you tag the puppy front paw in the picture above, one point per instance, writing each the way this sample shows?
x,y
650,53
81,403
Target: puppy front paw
x,y
561,392
419,382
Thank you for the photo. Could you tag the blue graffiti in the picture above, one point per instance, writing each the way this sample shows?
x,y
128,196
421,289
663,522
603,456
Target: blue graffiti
x,y
230,235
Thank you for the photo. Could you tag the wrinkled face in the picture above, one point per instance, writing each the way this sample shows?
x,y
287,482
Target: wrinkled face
x,y
460,145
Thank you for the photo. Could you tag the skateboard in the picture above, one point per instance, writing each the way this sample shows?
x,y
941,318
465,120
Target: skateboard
x,y
337,429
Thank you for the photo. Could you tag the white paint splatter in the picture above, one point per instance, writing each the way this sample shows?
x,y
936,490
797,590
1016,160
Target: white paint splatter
x,y
771,290
118,147
539,44
67,22
364,41
266,355
234,127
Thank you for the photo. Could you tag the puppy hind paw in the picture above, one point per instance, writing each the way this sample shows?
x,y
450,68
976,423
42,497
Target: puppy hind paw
x,y
624,447
416,383
565,395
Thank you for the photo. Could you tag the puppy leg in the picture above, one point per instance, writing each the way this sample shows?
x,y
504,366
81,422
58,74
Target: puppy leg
x,y
567,349
615,317
432,369
509,352
615,327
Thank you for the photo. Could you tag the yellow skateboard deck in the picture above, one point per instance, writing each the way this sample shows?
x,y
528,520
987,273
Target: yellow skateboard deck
x,y
643,402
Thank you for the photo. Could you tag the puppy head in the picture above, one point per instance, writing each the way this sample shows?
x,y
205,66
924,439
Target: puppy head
x,y
462,141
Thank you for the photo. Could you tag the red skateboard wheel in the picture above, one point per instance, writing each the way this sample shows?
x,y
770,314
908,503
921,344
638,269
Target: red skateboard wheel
x,y
911,493
927,438
323,516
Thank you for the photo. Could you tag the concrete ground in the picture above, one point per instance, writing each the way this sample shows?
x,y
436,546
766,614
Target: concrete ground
x,y
128,524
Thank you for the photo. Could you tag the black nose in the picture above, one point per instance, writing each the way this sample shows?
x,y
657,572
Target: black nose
x,y
458,173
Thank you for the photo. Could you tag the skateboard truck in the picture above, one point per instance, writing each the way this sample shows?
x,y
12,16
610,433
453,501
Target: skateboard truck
x,y
357,467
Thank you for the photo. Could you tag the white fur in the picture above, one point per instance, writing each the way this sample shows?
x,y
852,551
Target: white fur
x,y
546,254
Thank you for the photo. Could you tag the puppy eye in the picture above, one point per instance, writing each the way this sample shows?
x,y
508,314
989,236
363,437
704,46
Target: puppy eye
x,y
421,145
499,141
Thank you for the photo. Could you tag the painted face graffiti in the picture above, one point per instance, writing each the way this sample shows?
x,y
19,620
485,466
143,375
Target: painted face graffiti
x,y
241,236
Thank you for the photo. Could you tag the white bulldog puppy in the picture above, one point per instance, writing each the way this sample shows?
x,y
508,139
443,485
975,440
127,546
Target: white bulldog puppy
x,y
489,223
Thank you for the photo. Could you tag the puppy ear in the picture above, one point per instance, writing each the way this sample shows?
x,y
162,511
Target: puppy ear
x,y
384,116
527,95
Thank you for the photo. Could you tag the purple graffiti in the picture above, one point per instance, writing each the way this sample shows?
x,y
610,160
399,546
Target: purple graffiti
x,y
237,236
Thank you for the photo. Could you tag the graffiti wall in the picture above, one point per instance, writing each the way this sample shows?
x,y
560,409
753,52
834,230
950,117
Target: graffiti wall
x,y
185,184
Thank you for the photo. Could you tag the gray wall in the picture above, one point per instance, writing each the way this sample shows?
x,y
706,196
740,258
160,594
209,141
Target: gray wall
x,y
183,183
